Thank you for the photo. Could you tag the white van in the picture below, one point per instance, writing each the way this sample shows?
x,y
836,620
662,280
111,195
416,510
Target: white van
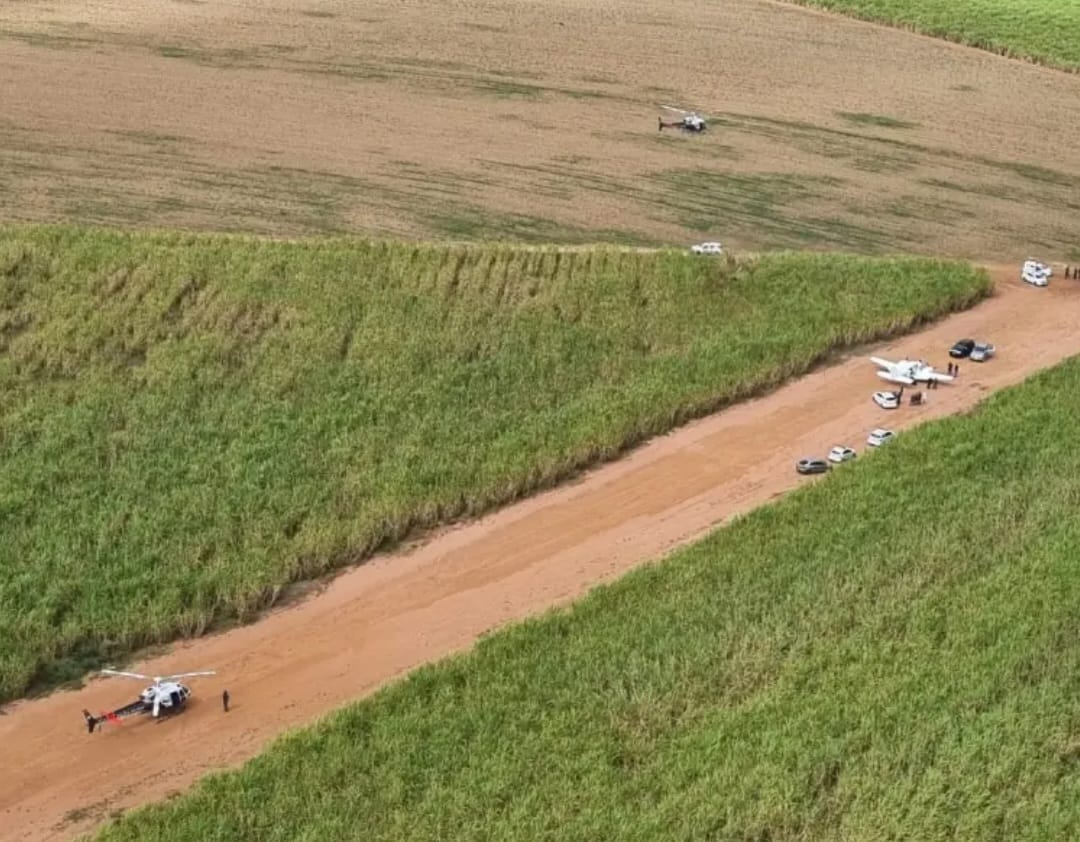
x,y
1036,273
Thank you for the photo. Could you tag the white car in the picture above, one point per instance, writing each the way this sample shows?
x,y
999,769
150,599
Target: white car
x,y
886,400
707,248
879,437
841,454
1036,273
1039,266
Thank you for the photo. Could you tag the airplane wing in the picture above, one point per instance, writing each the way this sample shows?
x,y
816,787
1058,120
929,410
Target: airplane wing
x,y
895,378
941,378
882,363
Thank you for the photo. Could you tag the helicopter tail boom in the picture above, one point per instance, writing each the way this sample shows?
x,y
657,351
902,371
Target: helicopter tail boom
x,y
114,716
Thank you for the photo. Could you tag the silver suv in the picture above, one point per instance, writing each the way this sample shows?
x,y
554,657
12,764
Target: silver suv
x,y
982,352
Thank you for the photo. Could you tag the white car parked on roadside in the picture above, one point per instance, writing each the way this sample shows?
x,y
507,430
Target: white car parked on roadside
x,y
841,454
707,248
1036,273
1045,268
879,437
886,400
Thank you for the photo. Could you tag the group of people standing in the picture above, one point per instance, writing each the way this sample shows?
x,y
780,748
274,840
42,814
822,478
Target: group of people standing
x,y
952,370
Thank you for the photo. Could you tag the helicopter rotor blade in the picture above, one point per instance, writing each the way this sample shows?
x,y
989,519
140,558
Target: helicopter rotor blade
x,y
127,674
187,675
677,110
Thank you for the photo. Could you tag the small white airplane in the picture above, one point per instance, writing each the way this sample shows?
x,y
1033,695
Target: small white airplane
x,y
909,372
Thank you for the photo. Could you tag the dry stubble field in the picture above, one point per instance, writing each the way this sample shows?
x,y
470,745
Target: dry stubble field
x,y
533,119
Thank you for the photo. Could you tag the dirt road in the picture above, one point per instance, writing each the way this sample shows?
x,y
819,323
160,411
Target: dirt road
x,y
398,611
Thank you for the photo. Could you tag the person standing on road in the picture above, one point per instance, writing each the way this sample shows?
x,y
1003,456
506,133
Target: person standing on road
x,y
225,700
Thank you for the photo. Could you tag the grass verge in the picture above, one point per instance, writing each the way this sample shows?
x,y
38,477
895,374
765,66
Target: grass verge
x,y
191,422
888,654
1043,31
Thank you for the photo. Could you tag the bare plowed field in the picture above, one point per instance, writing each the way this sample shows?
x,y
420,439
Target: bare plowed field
x,y
536,120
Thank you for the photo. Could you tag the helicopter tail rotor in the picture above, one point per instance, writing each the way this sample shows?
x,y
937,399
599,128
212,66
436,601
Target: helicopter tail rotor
x,y
93,721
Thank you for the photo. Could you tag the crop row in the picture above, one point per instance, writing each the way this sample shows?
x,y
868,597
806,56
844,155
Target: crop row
x,y
1043,31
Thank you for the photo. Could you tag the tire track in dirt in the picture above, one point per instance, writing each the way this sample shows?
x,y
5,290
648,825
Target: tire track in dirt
x,y
398,611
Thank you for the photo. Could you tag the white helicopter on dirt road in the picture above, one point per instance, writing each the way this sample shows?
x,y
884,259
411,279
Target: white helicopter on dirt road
x,y
691,121
166,695
909,372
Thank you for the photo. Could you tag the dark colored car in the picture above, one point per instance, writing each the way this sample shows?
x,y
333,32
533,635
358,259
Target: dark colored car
x,y
812,466
963,348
